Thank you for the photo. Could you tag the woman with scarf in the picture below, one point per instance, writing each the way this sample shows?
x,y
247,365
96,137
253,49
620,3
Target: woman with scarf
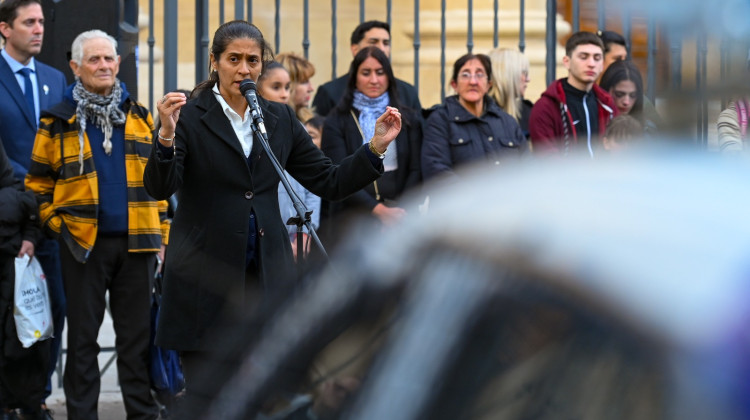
x,y
370,89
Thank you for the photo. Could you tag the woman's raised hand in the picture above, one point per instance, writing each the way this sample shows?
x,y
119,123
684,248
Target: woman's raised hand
x,y
169,112
387,128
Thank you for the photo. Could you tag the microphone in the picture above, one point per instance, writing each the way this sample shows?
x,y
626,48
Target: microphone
x,y
248,90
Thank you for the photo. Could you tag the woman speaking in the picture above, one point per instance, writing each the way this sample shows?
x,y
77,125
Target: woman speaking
x,y
228,246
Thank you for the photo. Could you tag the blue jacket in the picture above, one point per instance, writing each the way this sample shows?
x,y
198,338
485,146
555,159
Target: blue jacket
x,y
453,137
17,124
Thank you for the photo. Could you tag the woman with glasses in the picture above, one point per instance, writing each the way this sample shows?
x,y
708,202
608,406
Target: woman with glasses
x,y
469,126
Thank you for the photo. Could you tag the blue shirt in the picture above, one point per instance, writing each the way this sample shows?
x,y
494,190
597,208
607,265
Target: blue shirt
x,y
110,173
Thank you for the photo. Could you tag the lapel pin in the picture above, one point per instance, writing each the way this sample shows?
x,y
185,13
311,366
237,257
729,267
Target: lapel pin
x,y
46,89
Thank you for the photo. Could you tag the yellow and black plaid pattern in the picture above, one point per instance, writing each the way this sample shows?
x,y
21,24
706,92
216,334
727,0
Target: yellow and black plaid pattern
x,y
69,200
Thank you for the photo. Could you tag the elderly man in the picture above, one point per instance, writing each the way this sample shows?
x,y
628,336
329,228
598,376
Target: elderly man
x,y
86,171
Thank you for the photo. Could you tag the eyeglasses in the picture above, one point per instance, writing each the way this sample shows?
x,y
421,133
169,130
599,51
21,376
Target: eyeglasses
x,y
466,76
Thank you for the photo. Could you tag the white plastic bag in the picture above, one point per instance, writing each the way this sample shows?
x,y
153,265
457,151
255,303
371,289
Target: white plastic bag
x,y
32,311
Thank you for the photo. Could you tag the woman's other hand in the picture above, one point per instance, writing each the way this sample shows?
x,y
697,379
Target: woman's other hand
x,y
388,215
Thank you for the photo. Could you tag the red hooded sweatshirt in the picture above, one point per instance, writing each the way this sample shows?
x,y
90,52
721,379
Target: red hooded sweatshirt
x,y
551,125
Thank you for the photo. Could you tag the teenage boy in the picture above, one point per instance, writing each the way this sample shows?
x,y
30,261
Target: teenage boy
x,y
573,112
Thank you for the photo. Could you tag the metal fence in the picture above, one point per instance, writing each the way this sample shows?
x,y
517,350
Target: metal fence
x,y
663,23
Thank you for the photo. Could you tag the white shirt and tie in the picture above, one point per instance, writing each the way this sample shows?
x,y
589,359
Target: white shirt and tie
x,y
15,67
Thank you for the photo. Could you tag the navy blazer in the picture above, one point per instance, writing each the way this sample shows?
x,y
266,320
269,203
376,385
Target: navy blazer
x,y
17,123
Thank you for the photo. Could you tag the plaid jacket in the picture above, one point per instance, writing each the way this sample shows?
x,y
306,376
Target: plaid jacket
x,y
69,201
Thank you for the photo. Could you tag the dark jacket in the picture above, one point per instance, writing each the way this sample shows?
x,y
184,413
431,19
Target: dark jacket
x,y
18,210
551,124
205,263
341,138
329,94
526,107
23,370
454,137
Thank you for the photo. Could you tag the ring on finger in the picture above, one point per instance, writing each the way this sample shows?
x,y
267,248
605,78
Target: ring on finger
x,y
163,100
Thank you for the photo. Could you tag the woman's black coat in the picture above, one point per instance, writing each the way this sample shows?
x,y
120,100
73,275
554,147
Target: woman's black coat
x,y
341,138
217,191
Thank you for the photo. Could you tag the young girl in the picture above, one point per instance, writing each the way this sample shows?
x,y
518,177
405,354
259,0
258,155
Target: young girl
x,y
300,71
314,127
274,83
621,133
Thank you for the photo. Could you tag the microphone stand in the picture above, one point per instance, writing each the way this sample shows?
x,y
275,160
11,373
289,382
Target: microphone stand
x,y
303,214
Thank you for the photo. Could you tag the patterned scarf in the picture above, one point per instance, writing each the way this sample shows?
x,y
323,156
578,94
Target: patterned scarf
x,y
104,111
369,111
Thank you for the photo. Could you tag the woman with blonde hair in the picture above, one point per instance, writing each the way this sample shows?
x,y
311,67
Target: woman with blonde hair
x,y
510,71
300,71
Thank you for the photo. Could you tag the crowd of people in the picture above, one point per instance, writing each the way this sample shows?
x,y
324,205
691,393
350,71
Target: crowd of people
x,y
99,173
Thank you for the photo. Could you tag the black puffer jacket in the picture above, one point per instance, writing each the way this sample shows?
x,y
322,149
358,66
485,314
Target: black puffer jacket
x,y
18,210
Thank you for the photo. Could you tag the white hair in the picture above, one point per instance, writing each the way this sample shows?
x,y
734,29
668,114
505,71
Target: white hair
x,y
76,51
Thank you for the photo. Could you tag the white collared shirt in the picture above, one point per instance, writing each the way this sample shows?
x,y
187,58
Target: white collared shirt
x,y
240,125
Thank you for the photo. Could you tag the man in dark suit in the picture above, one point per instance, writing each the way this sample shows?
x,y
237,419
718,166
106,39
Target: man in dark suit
x,y
28,87
372,33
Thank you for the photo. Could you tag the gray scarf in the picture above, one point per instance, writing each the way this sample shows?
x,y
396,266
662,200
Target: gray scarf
x,y
104,111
